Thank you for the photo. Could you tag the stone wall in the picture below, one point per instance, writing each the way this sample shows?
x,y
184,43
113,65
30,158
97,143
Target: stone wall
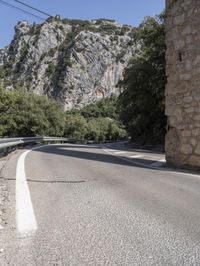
x,y
183,85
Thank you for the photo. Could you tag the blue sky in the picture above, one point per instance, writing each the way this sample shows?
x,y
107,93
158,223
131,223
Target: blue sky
x,y
124,11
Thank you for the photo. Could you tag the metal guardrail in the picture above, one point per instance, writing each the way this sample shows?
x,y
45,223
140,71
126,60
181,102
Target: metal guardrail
x,y
6,144
11,142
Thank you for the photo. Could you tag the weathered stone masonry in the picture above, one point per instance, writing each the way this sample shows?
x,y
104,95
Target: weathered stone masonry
x,y
183,85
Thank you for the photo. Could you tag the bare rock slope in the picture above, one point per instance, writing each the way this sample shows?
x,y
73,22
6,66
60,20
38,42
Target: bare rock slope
x,y
75,61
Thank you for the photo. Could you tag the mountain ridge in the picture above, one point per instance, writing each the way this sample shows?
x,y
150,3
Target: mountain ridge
x,y
74,61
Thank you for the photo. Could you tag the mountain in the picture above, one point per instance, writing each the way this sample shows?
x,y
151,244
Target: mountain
x,y
74,61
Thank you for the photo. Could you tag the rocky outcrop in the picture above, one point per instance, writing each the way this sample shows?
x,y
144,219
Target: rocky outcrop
x,y
182,91
75,61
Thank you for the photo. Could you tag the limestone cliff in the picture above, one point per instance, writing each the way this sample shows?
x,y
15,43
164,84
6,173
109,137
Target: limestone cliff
x,y
75,61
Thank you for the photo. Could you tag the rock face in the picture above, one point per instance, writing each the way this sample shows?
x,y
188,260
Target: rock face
x,y
75,61
183,86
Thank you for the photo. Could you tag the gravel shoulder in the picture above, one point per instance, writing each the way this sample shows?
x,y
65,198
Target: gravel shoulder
x,y
3,201
3,194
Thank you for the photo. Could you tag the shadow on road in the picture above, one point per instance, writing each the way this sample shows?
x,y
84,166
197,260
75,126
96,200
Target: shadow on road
x,y
70,151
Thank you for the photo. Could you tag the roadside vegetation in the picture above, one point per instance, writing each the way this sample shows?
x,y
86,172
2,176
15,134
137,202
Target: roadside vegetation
x,y
26,114
142,104
97,122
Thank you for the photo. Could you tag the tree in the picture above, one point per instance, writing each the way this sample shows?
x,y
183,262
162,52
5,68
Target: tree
x,y
116,131
5,105
104,108
142,100
26,114
97,121
76,126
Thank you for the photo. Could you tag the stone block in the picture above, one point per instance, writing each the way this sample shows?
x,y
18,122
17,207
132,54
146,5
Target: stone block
x,y
197,60
179,44
187,30
186,149
194,160
190,110
185,76
187,99
179,20
197,117
197,150
196,132
186,133
193,142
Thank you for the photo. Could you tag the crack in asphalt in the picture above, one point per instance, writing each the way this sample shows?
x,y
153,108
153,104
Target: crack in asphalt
x,y
48,181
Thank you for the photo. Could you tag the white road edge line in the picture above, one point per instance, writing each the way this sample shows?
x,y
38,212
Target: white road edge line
x,y
136,156
133,162
119,152
111,150
159,163
169,170
25,216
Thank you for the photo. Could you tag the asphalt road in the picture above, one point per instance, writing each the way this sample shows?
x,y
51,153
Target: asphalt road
x,y
92,207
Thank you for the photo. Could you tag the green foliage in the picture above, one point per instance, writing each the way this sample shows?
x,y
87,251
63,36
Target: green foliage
x,y
35,30
23,57
108,28
58,72
142,101
125,29
102,20
52,52
10,70
120,56
98,122
105,108
76,126
50,70
26,114
6,69
77,22
104,128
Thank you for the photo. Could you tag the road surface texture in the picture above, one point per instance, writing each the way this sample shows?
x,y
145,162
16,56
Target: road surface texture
x,y
94,205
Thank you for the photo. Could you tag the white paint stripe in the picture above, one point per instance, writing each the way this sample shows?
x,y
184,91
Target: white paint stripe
x,y
132,161
119,152
136,163
168,170
111,150
136,156
159,163
25,217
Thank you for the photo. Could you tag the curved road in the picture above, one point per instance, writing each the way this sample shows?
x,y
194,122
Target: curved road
x,y
92,208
